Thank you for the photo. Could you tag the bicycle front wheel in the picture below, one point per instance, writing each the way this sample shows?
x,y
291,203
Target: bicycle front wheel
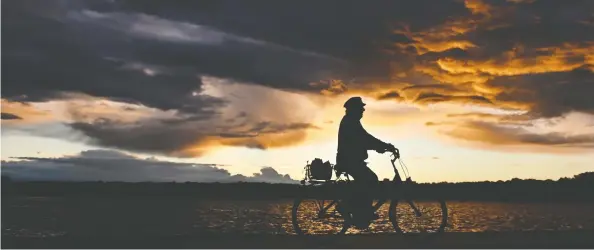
x,y
409,216
317,216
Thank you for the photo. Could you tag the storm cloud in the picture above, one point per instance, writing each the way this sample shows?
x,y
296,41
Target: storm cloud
x,y
137,57
188,138
9,116
528,56
109,165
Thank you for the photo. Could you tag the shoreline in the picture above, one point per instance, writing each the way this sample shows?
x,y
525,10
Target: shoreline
x,y
513,191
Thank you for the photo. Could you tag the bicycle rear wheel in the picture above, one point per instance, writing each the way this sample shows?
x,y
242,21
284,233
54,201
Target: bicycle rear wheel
x,y
317,216
426,216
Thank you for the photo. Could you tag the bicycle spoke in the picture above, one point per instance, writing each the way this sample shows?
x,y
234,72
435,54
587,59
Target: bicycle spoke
x,y
320,204
312,217
420,217
382,224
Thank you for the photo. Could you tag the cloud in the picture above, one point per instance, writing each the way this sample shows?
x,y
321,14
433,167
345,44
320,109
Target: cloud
x,y
505,135
548,95
343,34
429,87
390,95
189,138
475,114
109,165
428,98
9,116
502,119
508,56
114,54
528,56
460,41
127,78
254,117
519,61
23,113
269,174
478,7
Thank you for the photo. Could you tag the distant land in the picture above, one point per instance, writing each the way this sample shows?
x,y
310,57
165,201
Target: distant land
x,y
576,189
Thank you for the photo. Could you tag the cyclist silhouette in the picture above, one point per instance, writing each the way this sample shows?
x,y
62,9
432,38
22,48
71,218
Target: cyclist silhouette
x,y
353,143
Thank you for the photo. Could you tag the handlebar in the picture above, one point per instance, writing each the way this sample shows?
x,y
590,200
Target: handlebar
x,y
395,155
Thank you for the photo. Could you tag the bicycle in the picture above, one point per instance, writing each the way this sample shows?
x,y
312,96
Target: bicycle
x,y
337,214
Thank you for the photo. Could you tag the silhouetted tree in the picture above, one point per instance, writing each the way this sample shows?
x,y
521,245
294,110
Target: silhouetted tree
x,y
577,188
584,177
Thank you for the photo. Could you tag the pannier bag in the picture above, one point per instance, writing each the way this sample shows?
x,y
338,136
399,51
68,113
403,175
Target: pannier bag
x,y
319,170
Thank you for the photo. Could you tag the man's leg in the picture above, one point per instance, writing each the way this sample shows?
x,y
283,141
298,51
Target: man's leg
x,y
366,181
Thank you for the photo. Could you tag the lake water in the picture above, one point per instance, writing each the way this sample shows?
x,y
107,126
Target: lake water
x,y
50,216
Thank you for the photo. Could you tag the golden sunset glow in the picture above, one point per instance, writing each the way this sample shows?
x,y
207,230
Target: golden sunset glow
x,y
559,59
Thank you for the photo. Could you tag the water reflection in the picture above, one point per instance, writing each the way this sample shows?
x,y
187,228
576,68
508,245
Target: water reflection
x,y
428,219
166,216
318,217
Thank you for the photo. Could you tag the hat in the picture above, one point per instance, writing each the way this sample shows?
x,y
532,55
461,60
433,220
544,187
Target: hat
x,y
354,102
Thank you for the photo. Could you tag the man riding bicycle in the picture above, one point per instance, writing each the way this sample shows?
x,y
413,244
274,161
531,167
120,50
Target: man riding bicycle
x,y
353,143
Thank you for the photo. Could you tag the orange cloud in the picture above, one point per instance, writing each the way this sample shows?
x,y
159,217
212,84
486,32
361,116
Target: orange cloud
x,y
26,113
515,119
430,98
450,35
425,45
482,77
551,59
478,7
330,87
440,38
279,139
390,95
266,141
454,78
495,135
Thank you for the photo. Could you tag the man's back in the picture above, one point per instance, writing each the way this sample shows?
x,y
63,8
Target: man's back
x,y
351,146
354,141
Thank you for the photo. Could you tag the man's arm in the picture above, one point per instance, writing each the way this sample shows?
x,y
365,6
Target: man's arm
x,y
370,141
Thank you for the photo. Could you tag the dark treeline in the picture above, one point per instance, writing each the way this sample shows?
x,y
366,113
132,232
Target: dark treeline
x,y
578,188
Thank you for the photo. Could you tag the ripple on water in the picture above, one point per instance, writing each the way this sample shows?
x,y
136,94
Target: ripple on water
x,y
53,217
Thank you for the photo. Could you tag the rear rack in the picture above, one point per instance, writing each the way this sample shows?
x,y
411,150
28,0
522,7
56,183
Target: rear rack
x,y
308,180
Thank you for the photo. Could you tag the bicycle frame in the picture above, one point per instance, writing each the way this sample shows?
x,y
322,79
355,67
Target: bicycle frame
x,y
397,180
337,206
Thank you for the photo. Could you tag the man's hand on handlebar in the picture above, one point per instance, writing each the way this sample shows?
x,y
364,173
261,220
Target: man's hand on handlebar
x,y
391,148
388,148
